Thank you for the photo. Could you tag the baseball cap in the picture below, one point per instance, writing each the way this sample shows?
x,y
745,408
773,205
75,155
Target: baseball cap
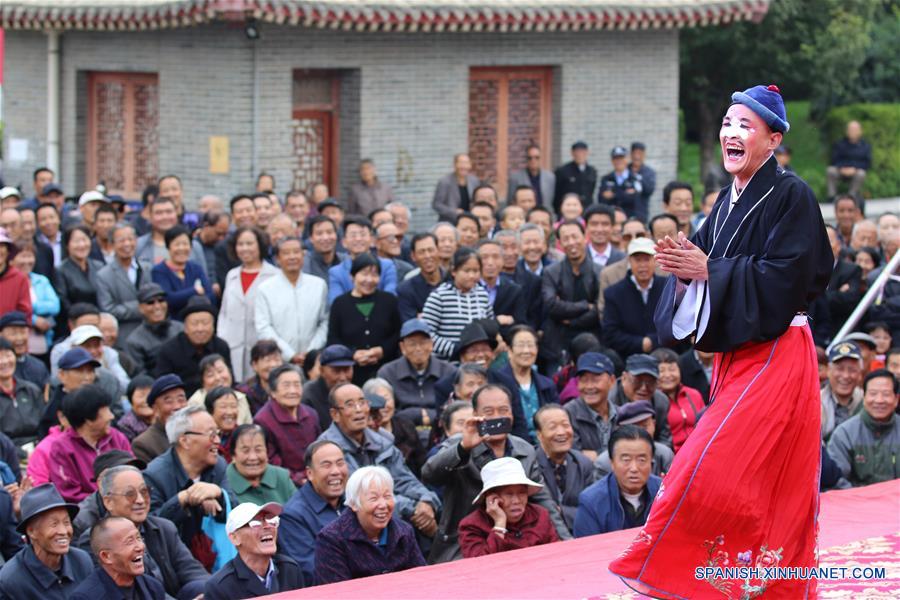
x,y
51,188
618,152
642,364
14,318
91,196
634,412
84,333
163,384
149,291
641,245
594,362
376,400
75,358
860,337
327,202
336,355
9,191
844,350
116,458
244,513
579,145
414,326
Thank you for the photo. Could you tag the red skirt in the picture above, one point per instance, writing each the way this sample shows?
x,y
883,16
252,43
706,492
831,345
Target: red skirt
x,y
743,491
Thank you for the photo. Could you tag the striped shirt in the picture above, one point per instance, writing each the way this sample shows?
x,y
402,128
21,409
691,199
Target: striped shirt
x,y
447,311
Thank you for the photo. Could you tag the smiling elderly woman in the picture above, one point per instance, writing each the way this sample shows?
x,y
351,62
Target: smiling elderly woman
x,y
505,520
251,476
367,539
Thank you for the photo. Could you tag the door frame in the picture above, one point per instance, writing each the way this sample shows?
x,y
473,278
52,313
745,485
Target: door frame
x,y
330,115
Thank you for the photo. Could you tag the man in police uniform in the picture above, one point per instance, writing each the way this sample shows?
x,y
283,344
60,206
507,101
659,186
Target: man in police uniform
x,y
575,177
622,187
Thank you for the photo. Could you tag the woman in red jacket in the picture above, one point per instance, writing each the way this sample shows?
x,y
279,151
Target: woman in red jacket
x,y
685,403
504,519
15,290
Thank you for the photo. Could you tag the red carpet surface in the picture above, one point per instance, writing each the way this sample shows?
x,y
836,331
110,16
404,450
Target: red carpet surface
x,y
857,527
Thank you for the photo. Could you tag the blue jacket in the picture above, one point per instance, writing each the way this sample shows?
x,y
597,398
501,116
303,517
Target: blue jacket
x,y
45,303
100,585
304,516
600,508
27,578
10,540
179,291
236,581
340,282
411,296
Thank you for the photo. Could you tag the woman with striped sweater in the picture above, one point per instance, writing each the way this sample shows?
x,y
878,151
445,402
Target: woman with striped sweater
x,y
456,302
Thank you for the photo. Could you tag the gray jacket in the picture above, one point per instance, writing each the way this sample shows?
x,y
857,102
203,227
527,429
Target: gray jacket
x,y
378,450
579,474
660,405
591,431
144,342
118,296
412,394
662,461
446,195
144,251
459,472
520,177
830,416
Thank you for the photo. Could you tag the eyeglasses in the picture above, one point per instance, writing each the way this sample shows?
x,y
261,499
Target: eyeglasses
x,y
628,236
212,435
257,523
354,404
398,237
132,494
152,301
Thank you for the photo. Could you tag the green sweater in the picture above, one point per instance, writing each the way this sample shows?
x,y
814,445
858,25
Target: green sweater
x,y
275,486
866,450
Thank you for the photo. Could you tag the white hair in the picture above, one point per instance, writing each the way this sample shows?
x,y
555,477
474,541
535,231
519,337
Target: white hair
x,y
180,422
377,383
439,224
862,223
397,204
110,317
362,479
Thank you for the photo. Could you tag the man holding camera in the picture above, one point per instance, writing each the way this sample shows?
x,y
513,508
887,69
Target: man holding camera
x,y
457,466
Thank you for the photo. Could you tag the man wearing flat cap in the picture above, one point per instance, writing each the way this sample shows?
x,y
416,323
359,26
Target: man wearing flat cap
x,y
48,568
182,354
167,396
640,381
641,414
156,329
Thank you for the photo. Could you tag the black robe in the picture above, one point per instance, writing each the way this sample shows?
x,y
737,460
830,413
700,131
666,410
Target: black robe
x,y
768,260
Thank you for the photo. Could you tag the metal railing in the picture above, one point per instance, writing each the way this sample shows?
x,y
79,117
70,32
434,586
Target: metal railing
x,y
867,300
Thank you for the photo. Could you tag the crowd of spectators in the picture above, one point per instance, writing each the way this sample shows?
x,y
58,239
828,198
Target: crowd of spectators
x,y
281,392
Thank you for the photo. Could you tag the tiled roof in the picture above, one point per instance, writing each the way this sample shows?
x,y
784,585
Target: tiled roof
x,y
381,15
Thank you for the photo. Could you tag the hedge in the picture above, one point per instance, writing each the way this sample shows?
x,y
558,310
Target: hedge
x,y
881,128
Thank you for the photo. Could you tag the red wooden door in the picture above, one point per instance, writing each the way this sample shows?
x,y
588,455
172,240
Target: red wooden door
x,y
509,109
123,132
314,129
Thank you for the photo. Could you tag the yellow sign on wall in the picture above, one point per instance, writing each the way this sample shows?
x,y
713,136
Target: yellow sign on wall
x,y
218,154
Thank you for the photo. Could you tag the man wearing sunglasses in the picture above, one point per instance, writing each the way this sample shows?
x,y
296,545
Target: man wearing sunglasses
x,y
157,328
258,569
542,181
124,493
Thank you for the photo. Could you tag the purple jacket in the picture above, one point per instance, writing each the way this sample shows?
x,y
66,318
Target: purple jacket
x,y
344,552
72,462
288,436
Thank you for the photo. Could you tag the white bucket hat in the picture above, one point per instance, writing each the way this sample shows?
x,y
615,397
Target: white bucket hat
x,y
504,471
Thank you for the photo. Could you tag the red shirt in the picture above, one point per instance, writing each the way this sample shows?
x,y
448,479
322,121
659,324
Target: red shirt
x,y
247,279
15,292
683,414
289,436
478,538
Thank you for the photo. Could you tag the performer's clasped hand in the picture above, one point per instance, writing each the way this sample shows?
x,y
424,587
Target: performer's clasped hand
x,y
681,258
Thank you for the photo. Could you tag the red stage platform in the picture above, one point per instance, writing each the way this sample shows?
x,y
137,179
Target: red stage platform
x,y
857,527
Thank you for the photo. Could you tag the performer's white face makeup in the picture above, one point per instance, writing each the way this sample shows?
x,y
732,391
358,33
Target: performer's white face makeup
x,y
746,142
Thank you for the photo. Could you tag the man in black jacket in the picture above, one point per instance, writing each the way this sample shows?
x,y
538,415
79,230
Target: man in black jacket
x,y
851,157
575,177
844,289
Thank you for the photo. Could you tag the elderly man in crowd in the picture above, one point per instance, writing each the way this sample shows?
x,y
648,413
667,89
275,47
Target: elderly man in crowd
x,y
566,471
166,397
641,414
15,328
541,181
258,569
48,567
276,311
292,426
336,367
363,447
591,414
864,235
865,446
156,328
640,381
569,291
87,412
358,239
614,273
76,369
629,305
388,242
412,293
622,499
120,551
316,504
187,481
842,396
90,510
21,402
182,354
119,281
124,493
457,467
414,375
111,376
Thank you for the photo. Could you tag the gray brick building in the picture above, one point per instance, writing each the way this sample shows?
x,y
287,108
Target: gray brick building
x,y
145,88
